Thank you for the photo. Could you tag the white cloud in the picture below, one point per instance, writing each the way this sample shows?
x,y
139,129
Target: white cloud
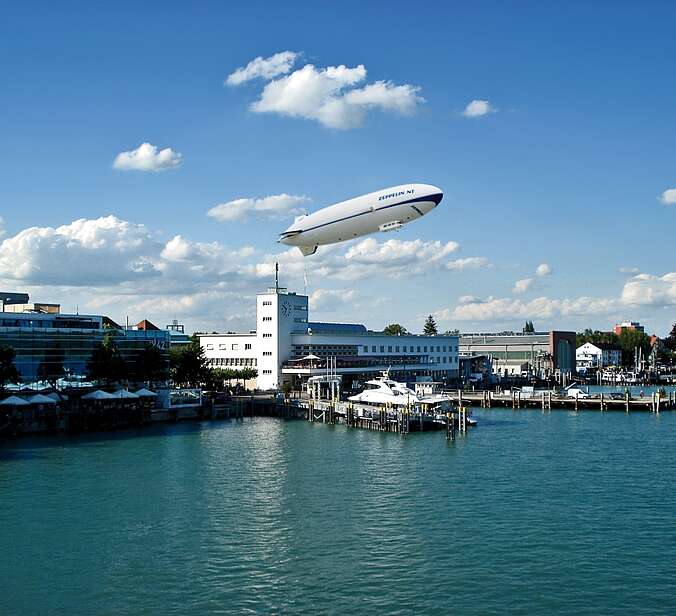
x,y
115,267
146,157
668,197
507,309
2,227
467,263
478,108
521,286
327,95
274,206
629,270
83,252
330,299
543,270
650,290
266,68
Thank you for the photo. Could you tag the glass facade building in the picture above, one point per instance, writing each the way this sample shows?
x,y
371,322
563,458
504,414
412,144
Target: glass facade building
x,y
53,343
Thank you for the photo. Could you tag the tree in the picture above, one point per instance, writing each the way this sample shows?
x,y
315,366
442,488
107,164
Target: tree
x,y
394,329
106,364
150,364
8,371
430,328
529,328
452,332
189,365
51,368
670,340
630,340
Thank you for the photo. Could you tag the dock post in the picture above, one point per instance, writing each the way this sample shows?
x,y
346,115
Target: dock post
x,y
601,401
542,399
626,402
513,399
450,427
576,400
518,397
657,406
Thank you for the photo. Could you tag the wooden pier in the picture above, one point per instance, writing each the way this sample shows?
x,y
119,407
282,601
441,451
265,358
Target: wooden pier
x,y
516,399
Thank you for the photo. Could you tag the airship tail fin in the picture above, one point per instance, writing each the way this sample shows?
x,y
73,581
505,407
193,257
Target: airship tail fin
x,y
308,250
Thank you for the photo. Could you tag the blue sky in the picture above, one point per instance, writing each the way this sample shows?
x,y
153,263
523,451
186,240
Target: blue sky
x,y
567,170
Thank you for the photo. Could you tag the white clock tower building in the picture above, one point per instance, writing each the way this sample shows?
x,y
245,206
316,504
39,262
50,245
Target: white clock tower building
x,y
278,315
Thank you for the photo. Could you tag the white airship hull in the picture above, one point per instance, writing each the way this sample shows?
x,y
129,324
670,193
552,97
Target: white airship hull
x,y
380,211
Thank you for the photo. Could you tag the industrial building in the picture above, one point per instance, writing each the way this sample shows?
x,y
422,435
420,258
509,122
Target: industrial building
x,y
541,354
45,341
287,347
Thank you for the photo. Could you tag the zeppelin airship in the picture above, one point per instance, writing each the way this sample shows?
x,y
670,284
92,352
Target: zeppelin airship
x,y
384,210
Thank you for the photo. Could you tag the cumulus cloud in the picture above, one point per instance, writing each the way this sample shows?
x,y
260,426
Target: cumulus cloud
x,y
323,299
83,252
497,309
543,270
274,206
147,157
116,267
265,68
330,95
478,108
521,286
629,270
650,290
467,263
668,197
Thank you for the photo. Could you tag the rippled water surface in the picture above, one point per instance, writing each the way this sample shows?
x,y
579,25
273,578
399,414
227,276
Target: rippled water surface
x,y
530,513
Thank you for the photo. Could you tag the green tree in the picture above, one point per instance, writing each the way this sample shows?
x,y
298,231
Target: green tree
x,y
452,332
8,370
52,368
430,328
630,340
529,328
394,329
670,341
150,364
106,363
189,365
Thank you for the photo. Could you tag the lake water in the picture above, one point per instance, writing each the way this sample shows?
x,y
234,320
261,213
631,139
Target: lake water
x,y
529,513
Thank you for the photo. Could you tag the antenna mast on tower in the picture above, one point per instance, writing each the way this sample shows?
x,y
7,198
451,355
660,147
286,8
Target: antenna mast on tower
x,y
276,277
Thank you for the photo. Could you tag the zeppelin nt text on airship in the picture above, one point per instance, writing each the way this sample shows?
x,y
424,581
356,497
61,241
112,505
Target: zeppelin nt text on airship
x,y
384,210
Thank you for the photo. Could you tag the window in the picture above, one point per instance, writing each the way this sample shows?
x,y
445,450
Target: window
x,y
267,335
247,347
267,318
366,349
438,349
396,349
267,353
235,347
373,349
418,350
425,349
222,347
444,349
382,348
210,347
410,349
389,349
267,371
267,303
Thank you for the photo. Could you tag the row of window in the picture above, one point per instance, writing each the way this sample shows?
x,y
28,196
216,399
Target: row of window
x,y
267,371
267,353
267,318
224,347
398,349
233,361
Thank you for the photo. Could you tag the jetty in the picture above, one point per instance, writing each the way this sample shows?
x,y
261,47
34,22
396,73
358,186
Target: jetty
x,y
517,399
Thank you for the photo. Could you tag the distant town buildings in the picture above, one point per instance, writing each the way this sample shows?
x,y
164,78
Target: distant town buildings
x,y
631,325
598,355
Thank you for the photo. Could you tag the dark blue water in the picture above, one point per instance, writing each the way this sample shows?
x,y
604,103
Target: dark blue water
x,y
530,513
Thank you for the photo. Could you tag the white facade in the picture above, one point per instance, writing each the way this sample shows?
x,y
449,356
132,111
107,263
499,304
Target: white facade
x,y
590,355
283,337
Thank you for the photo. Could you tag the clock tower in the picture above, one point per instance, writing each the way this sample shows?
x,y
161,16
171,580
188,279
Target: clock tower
x,y
278,315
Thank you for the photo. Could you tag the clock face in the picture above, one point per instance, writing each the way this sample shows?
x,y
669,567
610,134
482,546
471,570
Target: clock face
x,y
286,309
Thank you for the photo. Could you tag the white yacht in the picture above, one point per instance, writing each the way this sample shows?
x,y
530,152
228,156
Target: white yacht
x,y
384,390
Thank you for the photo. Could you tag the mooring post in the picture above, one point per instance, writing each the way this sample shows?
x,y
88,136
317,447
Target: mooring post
x,y
626,402
601,401
576,400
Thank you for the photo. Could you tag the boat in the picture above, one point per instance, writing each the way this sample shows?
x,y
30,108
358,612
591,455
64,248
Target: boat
x,y
384,390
